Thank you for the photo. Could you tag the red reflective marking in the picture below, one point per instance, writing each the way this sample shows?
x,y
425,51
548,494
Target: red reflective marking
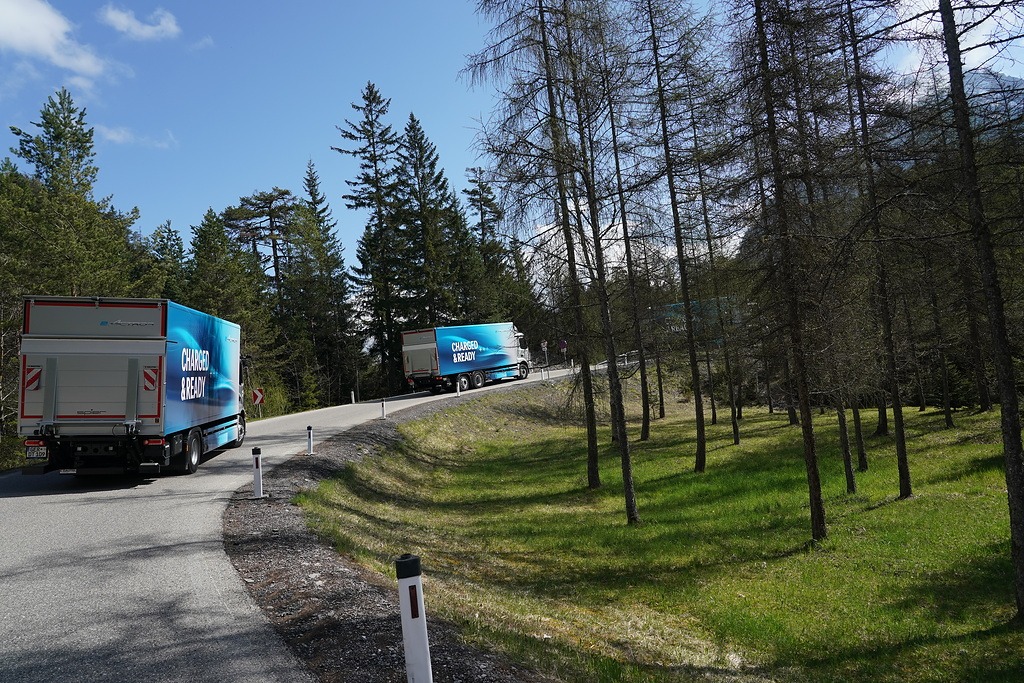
x,y
32,376
414,603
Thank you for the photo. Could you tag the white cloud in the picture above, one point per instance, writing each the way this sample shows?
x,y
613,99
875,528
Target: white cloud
x,y
162,23
122,135
35,29
202,44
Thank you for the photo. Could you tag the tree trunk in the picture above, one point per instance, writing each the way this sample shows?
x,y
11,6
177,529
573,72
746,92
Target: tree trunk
x,y
921,402
844,446
661,383
940,345
974,334
593,476
858,435
700,460
711,383
789,392
885,313
882,428
716,292
615,398
789,282
1013,453
638,339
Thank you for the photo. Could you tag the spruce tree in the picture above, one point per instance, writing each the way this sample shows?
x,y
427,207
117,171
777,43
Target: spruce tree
x,y
423,201
62,152
317,298
382,247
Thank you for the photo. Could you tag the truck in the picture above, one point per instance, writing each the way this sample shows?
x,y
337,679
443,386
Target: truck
x,y
463,357
121,385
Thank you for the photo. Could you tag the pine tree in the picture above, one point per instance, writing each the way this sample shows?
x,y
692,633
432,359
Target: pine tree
x,y
263,221
423,203
317,295
168,250
382,247
62,153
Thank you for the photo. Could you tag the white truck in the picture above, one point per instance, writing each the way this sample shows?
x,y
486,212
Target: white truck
x,y
463,356
112,385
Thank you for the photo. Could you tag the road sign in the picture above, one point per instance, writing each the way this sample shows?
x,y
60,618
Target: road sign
x,y
257,396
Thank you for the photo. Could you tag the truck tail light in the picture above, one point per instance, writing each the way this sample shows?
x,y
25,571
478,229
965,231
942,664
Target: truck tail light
x,y
29,443
154,442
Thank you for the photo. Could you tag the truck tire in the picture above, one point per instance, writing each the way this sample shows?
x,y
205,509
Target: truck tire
x,y
476,379
435,389
524,371
462,383
241,433
193,451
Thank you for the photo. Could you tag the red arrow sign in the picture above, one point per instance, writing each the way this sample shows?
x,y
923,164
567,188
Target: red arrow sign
x,y
257,396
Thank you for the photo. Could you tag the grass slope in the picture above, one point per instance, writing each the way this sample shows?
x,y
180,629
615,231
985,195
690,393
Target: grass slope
x,y
718,580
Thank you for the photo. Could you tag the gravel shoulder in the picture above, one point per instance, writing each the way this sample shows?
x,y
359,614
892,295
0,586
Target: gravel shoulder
x,y
338,618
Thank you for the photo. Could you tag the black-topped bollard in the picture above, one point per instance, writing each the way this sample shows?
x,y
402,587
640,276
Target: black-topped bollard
x,y
414,620
257,473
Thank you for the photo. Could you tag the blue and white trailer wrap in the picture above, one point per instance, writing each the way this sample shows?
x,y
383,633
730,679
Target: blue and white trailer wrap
x,y
126,385
463,356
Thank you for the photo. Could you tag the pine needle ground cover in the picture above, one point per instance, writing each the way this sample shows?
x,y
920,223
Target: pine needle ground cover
x,y
718,581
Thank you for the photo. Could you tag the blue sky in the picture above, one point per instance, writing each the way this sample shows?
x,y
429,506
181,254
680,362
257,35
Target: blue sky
x,y
196,104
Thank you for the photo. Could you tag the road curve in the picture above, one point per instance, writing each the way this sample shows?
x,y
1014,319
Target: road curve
x,y
126,578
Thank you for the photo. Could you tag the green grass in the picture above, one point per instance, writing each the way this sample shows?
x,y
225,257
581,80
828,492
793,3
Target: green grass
x,y
719,577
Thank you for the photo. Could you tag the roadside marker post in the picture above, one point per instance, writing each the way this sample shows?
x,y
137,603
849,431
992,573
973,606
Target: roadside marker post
x,y
309,440
414,620
257,473
383,409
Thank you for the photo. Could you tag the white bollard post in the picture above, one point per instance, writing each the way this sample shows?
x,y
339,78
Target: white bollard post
x,y
257,473
309,440
414,620
383,409
352,396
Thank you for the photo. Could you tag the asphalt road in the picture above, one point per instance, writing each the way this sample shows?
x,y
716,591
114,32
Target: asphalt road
x,y
126,578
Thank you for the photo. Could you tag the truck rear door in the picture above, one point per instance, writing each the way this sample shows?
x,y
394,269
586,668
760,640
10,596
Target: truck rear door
x,y
419,353
94,385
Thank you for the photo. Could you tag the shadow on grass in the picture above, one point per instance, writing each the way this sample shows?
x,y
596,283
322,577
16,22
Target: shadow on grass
x,y
966,591
989,655
973,467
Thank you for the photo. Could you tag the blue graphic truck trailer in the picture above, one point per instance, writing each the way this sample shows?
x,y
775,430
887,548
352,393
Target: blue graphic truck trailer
x,y
463,356
126,385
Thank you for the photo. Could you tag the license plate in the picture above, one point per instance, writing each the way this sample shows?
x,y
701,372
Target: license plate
x,y
36,452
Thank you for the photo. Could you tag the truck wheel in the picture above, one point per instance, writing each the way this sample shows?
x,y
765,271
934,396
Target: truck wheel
x,y
477,379
435,389
524,371
193,451
462,382
241,433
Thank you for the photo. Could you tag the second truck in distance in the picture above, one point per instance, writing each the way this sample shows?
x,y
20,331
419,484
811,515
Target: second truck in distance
x,y
463,356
